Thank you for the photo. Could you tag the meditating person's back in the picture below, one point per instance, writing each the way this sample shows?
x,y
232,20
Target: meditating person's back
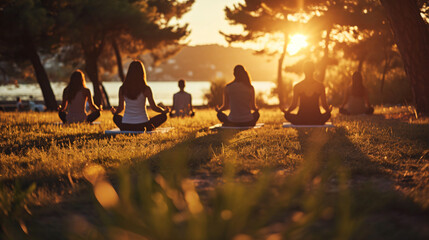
x,y
356,104
356,98
240,99
135,110
132,98
77,108
307,93
309,98
75,98
182,101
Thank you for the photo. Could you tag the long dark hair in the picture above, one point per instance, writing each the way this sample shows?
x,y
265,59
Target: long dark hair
x,y
241,75
77,82
357,87
135,81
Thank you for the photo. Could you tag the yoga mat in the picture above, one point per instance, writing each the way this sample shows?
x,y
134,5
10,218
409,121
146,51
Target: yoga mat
x,y
219,126
61,123
290,125
116,131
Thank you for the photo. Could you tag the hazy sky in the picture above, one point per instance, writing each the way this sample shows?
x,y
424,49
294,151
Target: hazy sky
x,y
206,19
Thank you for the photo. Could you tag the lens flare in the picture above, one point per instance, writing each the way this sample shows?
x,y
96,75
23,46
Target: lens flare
x,y
296,43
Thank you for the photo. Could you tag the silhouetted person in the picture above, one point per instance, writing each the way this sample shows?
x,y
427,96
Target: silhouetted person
x,y
239,97
132,97
34,106
19,105
356,98
75,97
182,102
307,93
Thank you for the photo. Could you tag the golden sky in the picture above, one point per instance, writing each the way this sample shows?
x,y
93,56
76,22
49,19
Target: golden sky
x,y
206,19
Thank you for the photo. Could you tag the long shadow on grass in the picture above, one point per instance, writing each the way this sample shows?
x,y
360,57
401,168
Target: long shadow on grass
x,y
380,211
190,154
47,142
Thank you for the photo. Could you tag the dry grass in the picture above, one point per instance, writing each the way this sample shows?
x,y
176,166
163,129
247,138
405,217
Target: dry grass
x,y
366,179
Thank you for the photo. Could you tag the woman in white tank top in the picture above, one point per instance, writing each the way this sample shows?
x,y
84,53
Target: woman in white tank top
x,y
75,97
239,97
132,97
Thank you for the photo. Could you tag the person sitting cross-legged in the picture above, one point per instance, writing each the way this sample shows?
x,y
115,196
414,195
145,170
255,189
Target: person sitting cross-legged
x,y
356,99
182,102
239,97
75,97
308,92
132,97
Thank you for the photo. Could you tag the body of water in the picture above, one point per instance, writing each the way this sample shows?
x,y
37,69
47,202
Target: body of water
x,y
162,91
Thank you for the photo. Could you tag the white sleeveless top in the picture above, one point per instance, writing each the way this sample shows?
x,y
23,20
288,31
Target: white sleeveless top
x,y
240,101
76,108
135,110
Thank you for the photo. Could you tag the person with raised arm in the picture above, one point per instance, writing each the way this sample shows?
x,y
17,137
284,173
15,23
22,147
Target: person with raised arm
x,y
132,97
307,93
356,99
182,102
75,97
239,97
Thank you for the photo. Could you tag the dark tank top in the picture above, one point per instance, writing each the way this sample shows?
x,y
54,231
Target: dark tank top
x,y
309,105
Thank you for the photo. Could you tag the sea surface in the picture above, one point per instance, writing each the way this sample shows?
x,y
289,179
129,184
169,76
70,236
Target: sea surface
x,y
162,91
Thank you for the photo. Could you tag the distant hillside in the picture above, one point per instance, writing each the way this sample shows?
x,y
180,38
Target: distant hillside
x,y
207,62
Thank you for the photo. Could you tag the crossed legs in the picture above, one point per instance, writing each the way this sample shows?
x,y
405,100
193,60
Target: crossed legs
x,y
147,126
306,120
225,121
90,118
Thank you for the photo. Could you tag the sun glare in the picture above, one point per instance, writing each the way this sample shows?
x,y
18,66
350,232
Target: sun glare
x,y
297,42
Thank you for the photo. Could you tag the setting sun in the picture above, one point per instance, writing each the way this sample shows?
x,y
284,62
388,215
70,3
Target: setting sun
x,y
297,42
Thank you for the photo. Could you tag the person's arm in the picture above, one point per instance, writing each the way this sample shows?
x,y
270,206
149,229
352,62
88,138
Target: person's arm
x,y
325,105
121,103
190,104
91,101
294,100
346,98
225,102
64,103
153,106
174,103
254,106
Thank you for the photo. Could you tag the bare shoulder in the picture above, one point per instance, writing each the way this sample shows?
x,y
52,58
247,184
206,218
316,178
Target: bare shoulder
x,y
147,91
298,86
86,91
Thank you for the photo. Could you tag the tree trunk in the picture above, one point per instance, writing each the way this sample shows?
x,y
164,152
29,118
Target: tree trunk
x,y
91,68
106,96
42,78
386,66
360,65
325,56
412,38
280,86
118,60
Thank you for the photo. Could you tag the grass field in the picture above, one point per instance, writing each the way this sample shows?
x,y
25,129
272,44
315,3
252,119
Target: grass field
x,y
365,179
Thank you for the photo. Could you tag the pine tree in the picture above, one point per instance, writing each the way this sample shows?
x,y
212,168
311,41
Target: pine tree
x,y
26,29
